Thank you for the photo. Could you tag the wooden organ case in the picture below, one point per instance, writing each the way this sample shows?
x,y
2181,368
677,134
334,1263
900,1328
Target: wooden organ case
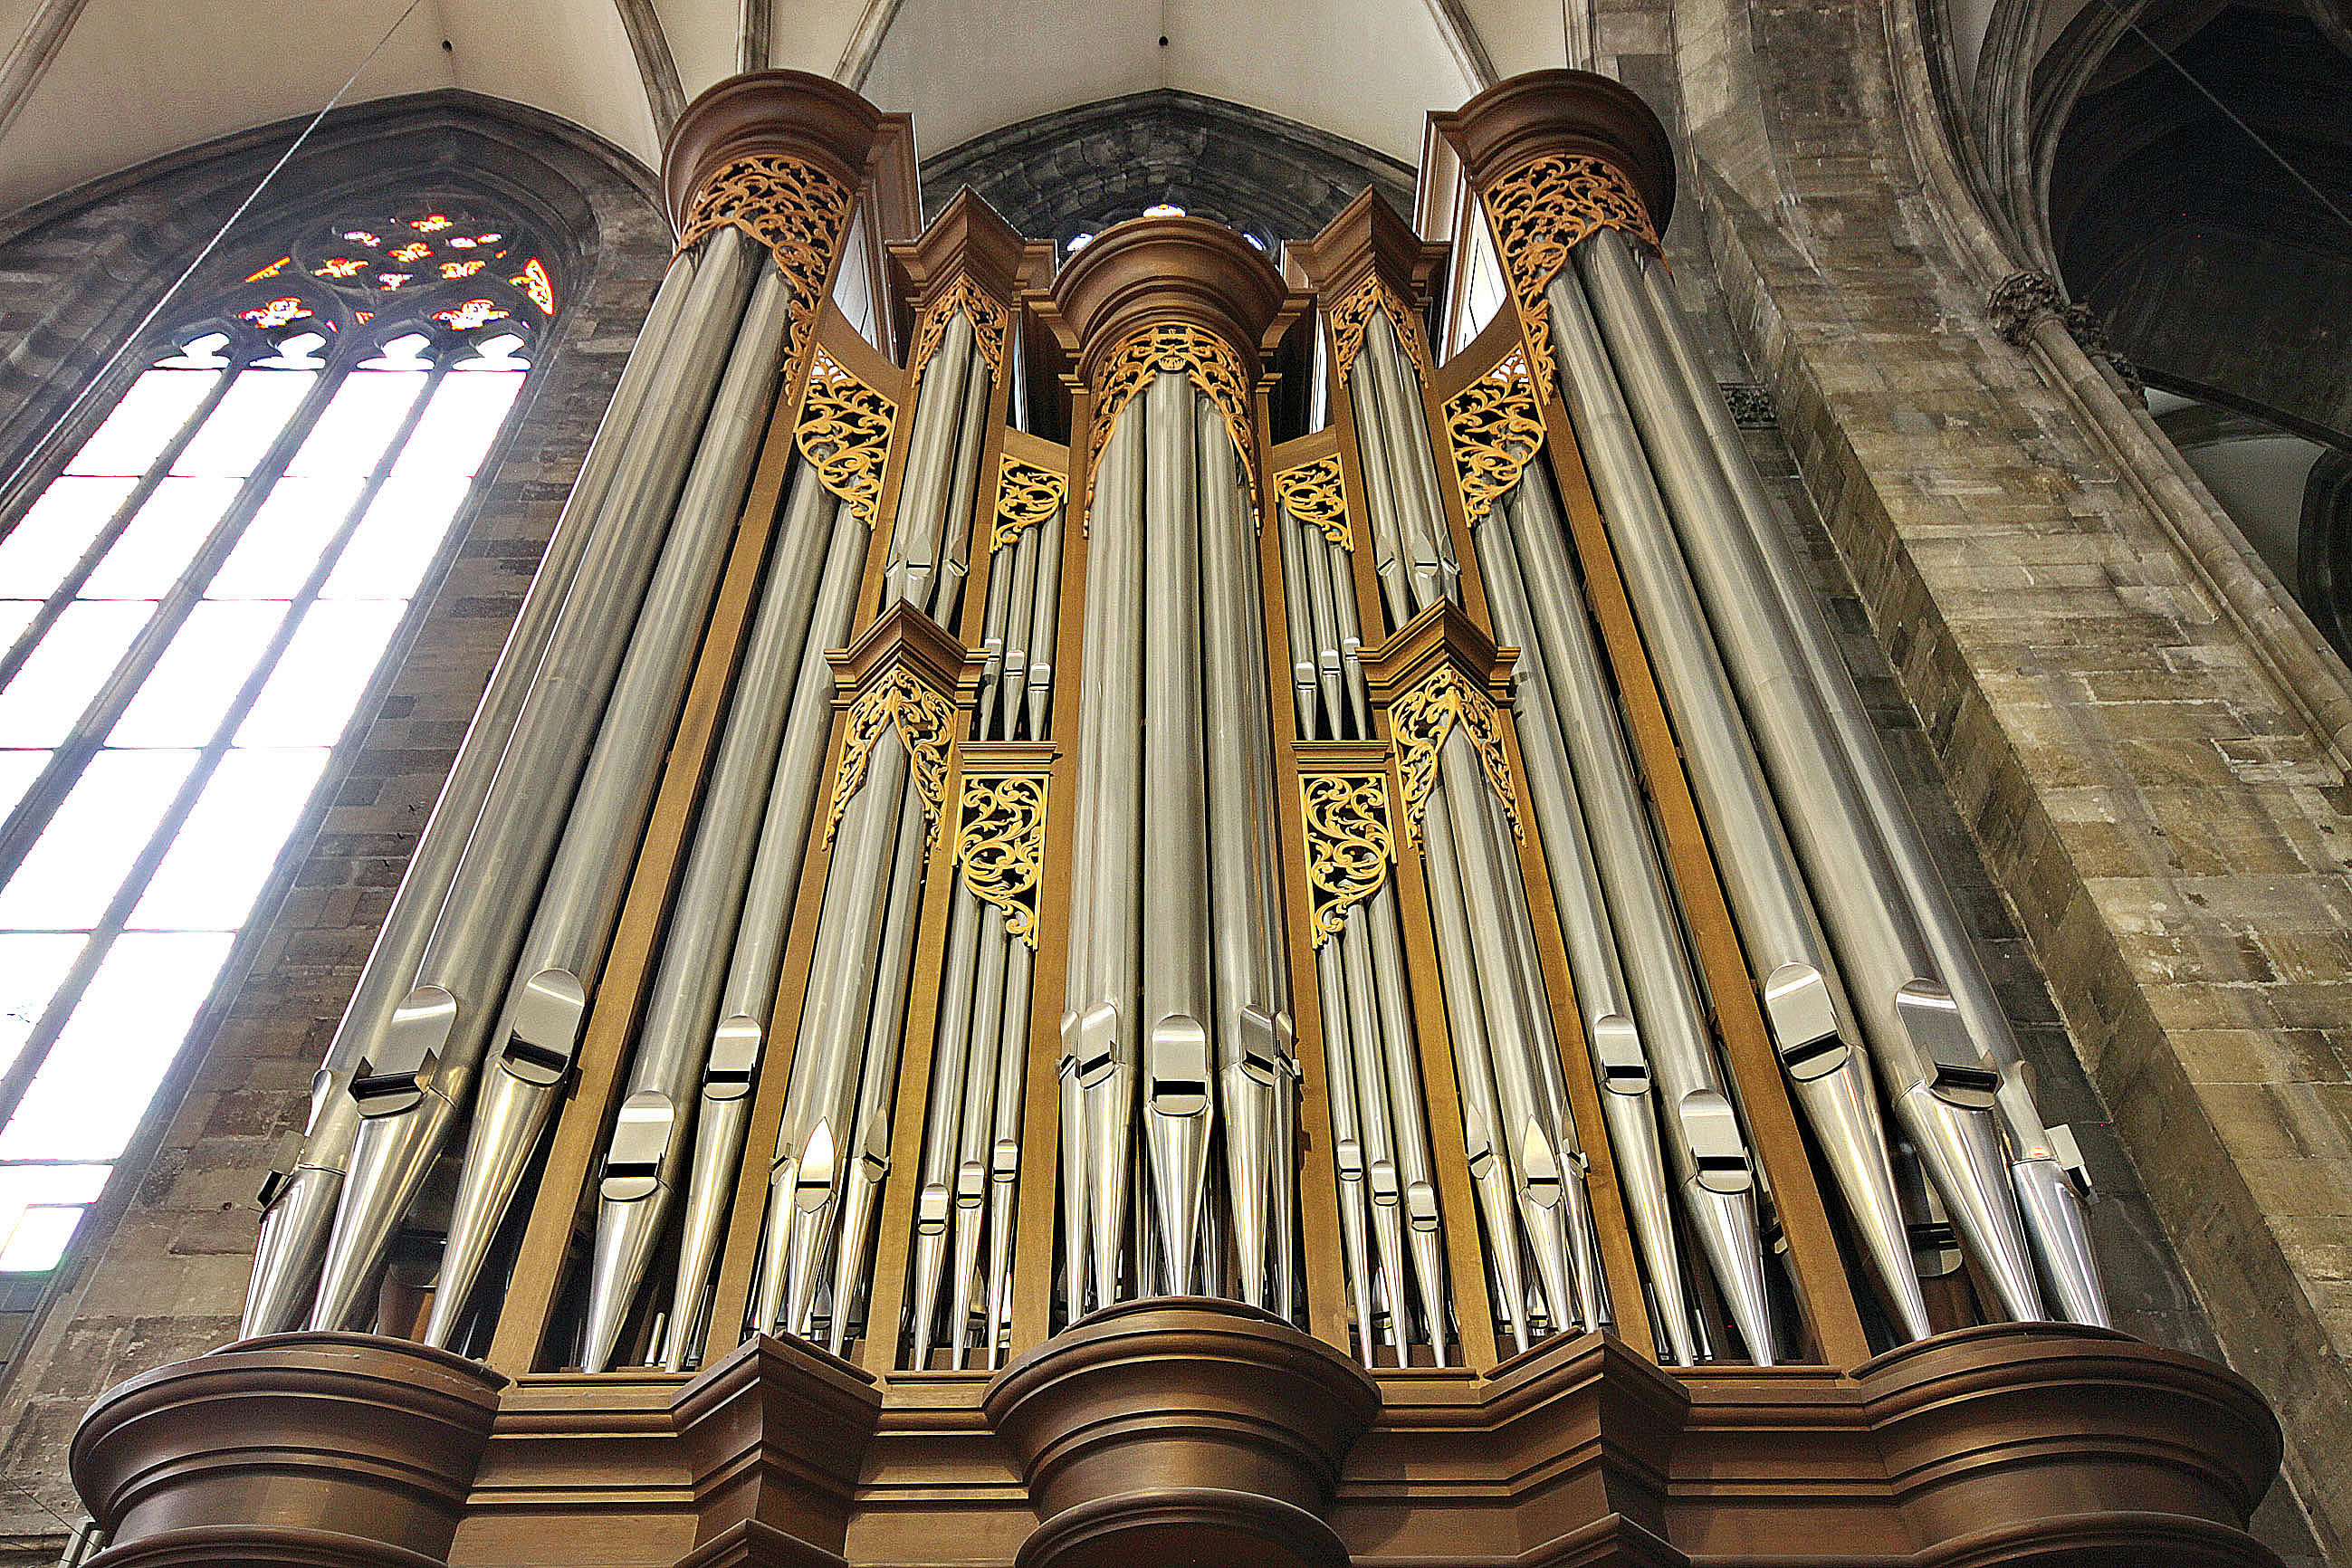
x,y
1166,911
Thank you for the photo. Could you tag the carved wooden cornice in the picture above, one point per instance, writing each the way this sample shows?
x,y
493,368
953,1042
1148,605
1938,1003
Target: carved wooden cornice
x,y
969,259
1366,260
809,120
1437,672
1565,114
906,673
1176,293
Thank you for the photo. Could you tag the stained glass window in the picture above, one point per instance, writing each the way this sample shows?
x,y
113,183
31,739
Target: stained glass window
x,y
193,609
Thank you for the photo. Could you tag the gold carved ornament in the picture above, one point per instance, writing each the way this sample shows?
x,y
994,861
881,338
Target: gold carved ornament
x,y
844,431
1203,357
1001,846
1311,493
1541,212
1422,720
793,208
1354,313
1495,430
1027,495
1348,844
989,321
925,721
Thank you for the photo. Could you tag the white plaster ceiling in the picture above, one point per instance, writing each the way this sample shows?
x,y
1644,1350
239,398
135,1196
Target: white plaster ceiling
x,y
129,81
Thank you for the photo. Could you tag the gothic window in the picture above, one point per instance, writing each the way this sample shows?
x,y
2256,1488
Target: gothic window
x,y
193,607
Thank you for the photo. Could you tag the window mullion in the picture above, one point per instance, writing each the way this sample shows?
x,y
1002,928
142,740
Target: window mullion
x,y
65,763
157,471
68,994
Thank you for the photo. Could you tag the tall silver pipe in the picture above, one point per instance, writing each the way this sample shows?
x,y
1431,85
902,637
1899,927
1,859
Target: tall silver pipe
x,y
1322,616
1383,371
935,1175
1019,627
1485,1136
1043,612
2045,1168
813,1140
642,1161
1803,1002
1613,1034
1257,1056
1100,1042
974,1124
1178,1044
992,648
296,1221
1296,625
1943,1079
956,527
1712,1168
747,996
413,1085
1004,1147
916,552
1382,1186
1399,1058
877,1084
562,956
1348,1148
1399,592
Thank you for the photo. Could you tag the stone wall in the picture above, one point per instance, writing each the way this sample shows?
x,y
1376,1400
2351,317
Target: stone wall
x,y
2166,829
160,1271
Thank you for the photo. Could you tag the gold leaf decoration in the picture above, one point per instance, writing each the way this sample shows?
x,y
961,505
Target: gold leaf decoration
x,y
1311,493
925,720
844,432
1027,495
1354,313
1001,846
989,321
1422,719
1541,212
793,208
1348,844
1204,358
1495,430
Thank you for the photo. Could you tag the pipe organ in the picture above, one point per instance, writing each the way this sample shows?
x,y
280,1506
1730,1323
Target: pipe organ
x,y
1134,916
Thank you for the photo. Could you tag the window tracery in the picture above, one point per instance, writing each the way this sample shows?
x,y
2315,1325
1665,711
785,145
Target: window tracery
x,y
193,609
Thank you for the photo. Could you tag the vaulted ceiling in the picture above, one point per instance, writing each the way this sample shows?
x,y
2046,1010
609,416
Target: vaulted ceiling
x,y
89,87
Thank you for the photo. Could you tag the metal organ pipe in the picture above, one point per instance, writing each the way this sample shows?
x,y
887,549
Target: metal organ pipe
x,y
1178,1071
546,1002
747,996
1712,1168
411,1089
1615,1038
1257,1056
1099,1048
1804,1006
1942,1080
648,1148
2044,1165
300,1210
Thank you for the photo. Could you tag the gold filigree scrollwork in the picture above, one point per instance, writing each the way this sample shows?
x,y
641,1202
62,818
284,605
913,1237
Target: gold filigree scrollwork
x,y
1001,846
1541,212
1027,495
1203,357
1354,313
844,432
1311,493
1348,844
793,208
1420,721
1495,430
925,720
989,321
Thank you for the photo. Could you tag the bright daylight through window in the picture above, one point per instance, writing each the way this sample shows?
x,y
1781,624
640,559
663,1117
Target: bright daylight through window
x,y
191,608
